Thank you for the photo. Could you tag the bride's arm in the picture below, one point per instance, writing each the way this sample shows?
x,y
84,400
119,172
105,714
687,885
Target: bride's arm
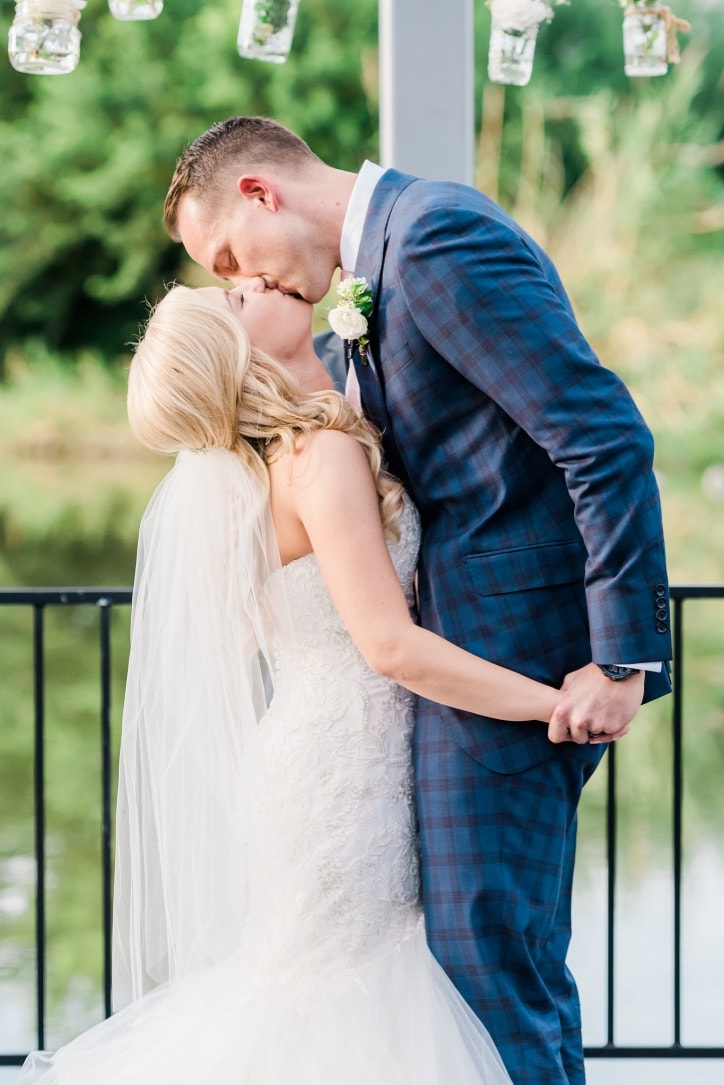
x,y
331,491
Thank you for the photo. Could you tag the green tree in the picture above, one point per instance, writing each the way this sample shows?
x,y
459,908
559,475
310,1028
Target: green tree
x,y
579,55
87,157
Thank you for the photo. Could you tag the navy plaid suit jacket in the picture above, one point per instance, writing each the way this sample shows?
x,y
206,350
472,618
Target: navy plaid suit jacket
x,y
528,460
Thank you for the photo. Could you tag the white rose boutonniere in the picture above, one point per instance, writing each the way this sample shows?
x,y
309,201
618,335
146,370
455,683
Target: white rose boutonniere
x,y
349,318
348,323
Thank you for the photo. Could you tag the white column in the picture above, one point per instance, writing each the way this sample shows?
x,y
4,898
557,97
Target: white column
x,y
427,115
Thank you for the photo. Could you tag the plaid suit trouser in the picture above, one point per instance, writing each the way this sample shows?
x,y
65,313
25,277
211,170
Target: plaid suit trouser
x,y
498,853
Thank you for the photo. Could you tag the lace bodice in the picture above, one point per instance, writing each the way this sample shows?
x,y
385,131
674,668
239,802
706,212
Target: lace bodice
x,y
318,628
342,856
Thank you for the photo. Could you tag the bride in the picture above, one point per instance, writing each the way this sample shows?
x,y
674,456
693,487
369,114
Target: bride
x,y
268,928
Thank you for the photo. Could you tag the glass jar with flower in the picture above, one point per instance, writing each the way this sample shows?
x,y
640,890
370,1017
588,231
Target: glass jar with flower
x,y
266,29
650,43
513,34
44,38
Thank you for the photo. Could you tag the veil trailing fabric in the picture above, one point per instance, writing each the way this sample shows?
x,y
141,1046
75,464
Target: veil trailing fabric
x,y
204,618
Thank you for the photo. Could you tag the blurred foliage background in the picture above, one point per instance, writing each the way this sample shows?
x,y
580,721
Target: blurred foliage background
x,y
622,180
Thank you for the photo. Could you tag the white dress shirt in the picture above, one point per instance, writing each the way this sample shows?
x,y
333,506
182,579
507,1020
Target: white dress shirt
x,y
354,220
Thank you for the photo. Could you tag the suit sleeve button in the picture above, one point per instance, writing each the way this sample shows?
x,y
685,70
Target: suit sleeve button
x,y
662,627
660,590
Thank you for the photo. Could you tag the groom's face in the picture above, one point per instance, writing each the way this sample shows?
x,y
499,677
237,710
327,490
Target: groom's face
x,y
257,237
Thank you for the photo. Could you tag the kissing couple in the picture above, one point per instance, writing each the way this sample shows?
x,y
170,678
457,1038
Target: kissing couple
x,y
375,654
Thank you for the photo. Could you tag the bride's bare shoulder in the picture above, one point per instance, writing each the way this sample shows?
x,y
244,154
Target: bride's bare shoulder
x,y
323,442
324,453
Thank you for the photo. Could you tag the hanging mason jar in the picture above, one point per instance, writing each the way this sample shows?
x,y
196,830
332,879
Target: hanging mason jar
x,y
649,37
266,29
513,34
44,38
132,10
511,54
644,40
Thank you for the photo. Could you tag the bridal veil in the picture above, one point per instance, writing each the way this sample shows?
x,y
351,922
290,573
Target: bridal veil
x,y
204,618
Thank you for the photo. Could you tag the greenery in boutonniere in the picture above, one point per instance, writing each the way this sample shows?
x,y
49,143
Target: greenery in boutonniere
x,y
271,17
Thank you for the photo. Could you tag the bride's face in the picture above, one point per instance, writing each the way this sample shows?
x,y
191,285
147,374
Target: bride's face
x,y
280,324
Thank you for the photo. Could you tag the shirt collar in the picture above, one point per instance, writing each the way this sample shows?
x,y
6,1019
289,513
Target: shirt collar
x,y
357,207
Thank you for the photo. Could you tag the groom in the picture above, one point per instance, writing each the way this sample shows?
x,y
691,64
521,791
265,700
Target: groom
x,y
542,541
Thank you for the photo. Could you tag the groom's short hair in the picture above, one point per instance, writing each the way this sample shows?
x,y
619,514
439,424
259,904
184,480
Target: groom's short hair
x,y
234,145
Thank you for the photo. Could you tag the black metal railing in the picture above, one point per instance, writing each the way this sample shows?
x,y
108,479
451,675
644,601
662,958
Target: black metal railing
x,y
39,599
676,1049
106,599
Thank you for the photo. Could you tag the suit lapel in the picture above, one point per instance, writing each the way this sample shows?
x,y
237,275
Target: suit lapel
x,y
374,234
371,249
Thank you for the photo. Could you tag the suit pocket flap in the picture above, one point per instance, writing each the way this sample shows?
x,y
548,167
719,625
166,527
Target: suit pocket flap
x,y
500,571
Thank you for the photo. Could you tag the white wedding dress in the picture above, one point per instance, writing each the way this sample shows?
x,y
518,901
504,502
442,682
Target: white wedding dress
x,y
333,983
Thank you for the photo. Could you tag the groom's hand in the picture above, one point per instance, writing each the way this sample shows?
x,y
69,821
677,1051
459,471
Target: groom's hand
x,y
594,709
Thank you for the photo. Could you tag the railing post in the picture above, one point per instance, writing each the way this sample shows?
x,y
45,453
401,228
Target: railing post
x,y
611,834
104,606
39,807
677,800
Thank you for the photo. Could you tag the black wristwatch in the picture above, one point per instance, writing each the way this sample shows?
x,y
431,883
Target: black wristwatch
x,y
616,673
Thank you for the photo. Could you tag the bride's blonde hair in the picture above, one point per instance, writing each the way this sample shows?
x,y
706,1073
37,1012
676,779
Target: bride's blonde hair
x,y
197,382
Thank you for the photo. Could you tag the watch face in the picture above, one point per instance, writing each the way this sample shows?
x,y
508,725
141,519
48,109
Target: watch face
x,y
615,672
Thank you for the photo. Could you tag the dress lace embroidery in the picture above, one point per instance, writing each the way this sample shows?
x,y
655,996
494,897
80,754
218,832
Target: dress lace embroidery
x,y
343,873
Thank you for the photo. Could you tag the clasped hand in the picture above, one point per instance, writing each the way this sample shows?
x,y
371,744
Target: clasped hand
x,y
594,709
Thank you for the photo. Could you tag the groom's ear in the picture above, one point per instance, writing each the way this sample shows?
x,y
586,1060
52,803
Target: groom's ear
x,y
258,190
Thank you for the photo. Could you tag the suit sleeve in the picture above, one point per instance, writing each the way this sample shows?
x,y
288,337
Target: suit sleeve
x,y
492,305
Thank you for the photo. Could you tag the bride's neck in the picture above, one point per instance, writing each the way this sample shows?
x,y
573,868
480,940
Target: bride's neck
x,y
310,372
